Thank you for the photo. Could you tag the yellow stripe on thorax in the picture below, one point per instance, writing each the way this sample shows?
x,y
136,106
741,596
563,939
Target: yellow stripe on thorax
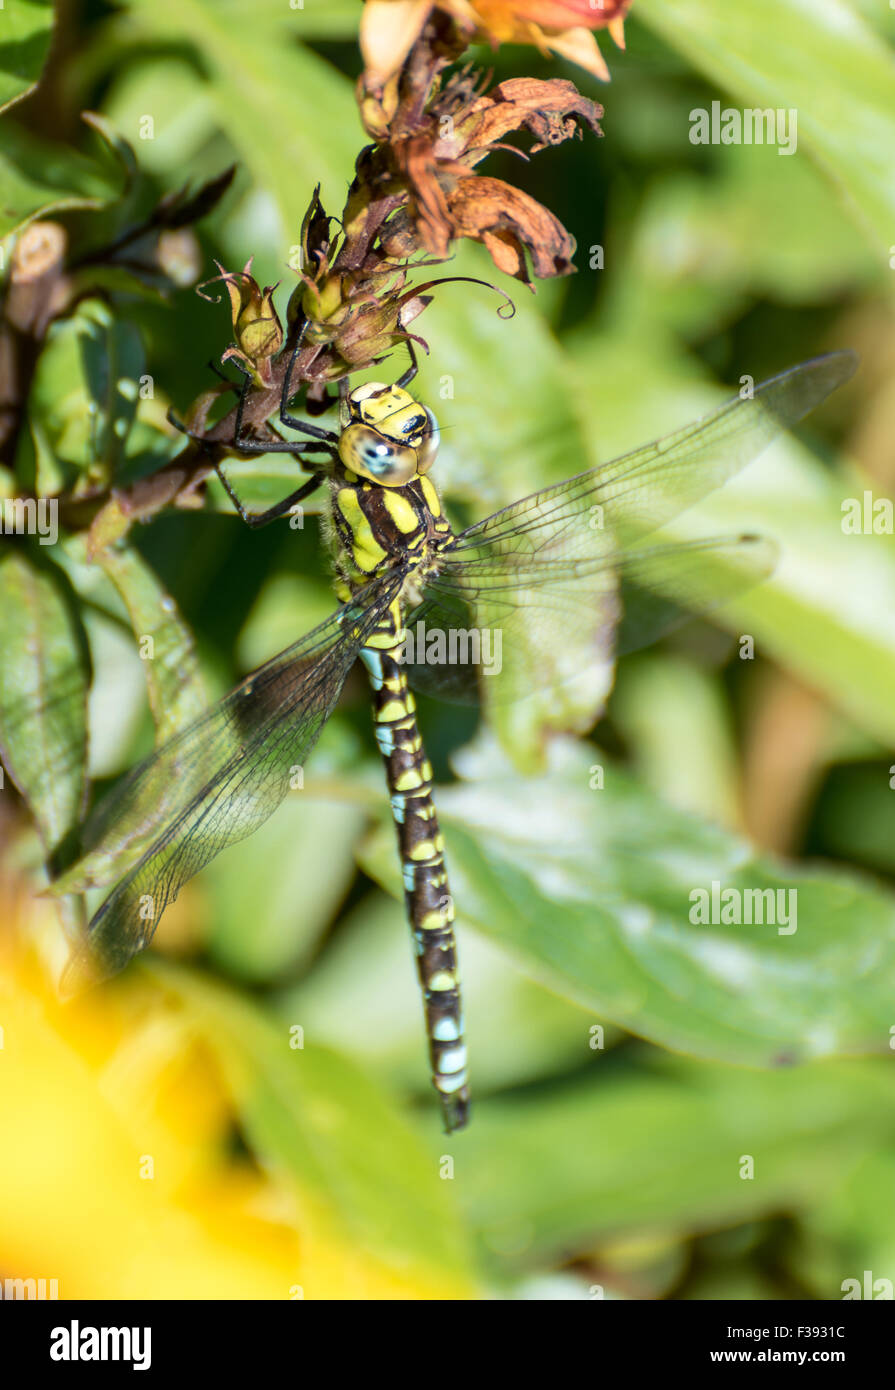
x,y
366,550
430,496
401,512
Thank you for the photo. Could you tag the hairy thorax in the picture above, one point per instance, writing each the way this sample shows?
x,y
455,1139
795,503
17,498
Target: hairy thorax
x,y
386,528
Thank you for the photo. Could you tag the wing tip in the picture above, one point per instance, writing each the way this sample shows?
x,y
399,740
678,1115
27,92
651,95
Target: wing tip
x,y
82,972
825,374
844,362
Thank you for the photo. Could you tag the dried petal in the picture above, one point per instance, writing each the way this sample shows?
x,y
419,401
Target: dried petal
x,y
388,31
436,164
505,219
503,18
551,110
555,26
580,47
390,28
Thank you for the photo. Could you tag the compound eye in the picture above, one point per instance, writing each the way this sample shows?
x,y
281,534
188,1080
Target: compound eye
x,y
367,452
428,445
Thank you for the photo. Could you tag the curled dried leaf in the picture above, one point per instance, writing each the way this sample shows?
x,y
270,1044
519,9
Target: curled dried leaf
x,y
507,221
436,165
552,111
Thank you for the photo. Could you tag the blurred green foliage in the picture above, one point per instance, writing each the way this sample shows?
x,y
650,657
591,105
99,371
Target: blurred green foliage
x,y
615,1164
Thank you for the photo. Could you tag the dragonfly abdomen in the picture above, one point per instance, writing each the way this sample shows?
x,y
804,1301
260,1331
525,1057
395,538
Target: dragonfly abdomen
x,y
427,897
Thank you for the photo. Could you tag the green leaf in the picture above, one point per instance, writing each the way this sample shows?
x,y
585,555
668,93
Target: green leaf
x,y
879,17
173,680
38,178
755,226
177,98
269,903
84,398
841,86
662,1148
592,890
325,1125
308,19
852,1232
291,117
118,727
116,151
687,756
26,28
362,995
43,694
288,605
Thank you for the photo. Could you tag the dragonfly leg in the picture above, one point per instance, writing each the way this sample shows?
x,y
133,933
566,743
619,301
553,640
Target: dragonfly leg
x,y
250,444
258,519
292,420
223,375
406,377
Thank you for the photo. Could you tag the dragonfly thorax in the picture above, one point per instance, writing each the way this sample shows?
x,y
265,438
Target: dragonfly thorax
x,y
387,437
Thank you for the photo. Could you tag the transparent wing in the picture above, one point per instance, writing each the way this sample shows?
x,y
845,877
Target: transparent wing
x,y
633,495
617,504
663,586
567,576
507,641
212,784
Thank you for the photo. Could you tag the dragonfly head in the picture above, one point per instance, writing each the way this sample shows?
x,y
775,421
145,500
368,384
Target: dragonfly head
x,y
387,436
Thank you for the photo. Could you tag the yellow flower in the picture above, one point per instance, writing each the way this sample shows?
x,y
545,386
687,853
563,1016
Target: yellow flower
x,y
112,1163
118,1170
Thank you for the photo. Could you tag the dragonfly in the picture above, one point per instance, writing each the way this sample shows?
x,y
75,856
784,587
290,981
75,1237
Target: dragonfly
x,y
582,555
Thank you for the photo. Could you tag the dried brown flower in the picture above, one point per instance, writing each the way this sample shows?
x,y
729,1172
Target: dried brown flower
x,y
446,199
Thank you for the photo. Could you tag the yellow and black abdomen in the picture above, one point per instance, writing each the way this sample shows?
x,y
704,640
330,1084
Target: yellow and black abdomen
x,y
378,529
429,906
